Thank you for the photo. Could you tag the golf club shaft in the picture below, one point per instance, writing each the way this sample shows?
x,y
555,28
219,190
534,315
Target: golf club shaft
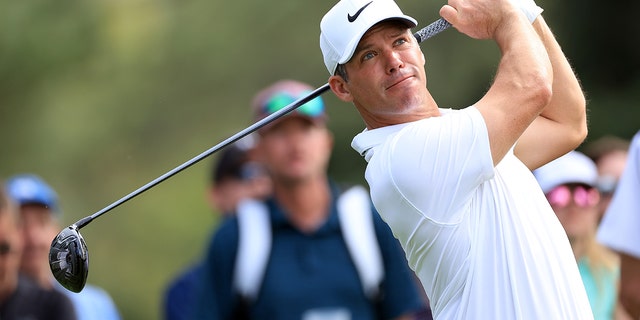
x,y
84,221
423,34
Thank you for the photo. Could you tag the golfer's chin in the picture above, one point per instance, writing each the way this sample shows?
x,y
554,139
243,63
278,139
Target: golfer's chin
x,y
409,97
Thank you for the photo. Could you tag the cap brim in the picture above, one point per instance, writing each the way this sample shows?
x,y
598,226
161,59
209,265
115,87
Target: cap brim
x,y
319,120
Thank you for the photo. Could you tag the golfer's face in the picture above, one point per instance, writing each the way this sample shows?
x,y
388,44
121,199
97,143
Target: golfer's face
x,y
386,73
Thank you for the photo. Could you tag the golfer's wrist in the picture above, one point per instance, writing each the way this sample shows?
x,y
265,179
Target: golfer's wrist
x,y
529,8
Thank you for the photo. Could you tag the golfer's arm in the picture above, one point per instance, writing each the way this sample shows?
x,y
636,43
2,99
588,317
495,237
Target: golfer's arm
x,y
521,89
562,125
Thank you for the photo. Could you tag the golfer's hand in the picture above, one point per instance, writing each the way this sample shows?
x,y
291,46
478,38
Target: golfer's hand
x,y
481,19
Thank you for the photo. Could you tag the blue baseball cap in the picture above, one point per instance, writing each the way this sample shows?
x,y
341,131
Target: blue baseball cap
x,y
284,92
31,189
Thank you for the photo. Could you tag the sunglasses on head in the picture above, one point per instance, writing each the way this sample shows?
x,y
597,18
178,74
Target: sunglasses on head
x,y
583,196
280,100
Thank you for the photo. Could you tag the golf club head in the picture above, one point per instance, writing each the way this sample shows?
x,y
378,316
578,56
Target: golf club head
x,y
69,259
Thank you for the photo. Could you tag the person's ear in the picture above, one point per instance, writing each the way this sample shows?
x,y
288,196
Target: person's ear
x,y
340,88
330,139
214,198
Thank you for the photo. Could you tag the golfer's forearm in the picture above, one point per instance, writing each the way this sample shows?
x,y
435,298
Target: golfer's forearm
x,y
561,125
567,105
521,89
524,68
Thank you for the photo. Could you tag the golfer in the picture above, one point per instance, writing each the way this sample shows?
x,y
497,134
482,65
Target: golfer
x,y
455,186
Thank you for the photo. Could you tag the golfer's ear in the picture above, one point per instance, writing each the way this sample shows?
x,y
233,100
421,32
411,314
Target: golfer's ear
x,y
340,88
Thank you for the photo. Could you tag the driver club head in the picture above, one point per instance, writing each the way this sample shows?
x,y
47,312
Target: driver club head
x,y
69,259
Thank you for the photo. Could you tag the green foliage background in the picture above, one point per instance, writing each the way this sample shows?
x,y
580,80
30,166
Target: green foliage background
x,y
100,97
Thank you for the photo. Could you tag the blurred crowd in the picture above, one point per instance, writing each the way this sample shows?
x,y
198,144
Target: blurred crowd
x,y
30,213
295,243
592,191
579,187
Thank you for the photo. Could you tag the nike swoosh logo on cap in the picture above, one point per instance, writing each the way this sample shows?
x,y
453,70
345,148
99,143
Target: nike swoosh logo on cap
x,y
353,17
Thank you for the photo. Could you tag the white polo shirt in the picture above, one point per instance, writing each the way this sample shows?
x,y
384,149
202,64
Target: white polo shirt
x,y
484,241
620,224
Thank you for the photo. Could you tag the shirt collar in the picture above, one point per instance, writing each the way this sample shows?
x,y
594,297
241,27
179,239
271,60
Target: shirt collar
x,y
364,142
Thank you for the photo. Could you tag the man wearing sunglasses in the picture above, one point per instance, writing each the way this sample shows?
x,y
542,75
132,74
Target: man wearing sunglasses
x,y
309,270
570,185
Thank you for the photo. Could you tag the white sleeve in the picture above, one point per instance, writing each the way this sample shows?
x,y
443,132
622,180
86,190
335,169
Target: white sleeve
x,y
438,165
620,226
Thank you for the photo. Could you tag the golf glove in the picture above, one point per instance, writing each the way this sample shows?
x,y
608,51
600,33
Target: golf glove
x,y
529,8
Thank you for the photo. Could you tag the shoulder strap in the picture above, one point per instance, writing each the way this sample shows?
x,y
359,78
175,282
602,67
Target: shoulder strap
x,y
356,222
254,247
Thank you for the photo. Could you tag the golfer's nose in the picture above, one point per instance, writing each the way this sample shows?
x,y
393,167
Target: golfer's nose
x,y
394,61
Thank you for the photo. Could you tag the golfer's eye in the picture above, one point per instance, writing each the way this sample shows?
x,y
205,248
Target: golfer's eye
x,y
368,55
400,42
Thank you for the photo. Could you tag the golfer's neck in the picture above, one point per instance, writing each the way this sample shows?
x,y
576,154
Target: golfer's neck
x,y
427,108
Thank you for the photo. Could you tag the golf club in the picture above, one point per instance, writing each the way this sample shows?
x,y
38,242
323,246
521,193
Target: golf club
x,y
68,255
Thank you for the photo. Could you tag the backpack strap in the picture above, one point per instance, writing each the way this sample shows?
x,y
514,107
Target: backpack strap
x,y
254,247
356,222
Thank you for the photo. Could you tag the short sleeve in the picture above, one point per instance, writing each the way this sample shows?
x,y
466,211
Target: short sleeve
x,y
444,159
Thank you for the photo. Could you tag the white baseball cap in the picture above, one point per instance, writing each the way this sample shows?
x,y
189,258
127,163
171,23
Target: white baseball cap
x,y
343,26
573,167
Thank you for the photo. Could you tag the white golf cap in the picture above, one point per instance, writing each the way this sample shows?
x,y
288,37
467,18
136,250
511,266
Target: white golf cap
x,y
343,26
573,167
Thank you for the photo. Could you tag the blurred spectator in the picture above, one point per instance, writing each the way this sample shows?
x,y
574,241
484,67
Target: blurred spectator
x,y
20,297
290,256
234,176
302,233
40,213
610,155
569,183
620,230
